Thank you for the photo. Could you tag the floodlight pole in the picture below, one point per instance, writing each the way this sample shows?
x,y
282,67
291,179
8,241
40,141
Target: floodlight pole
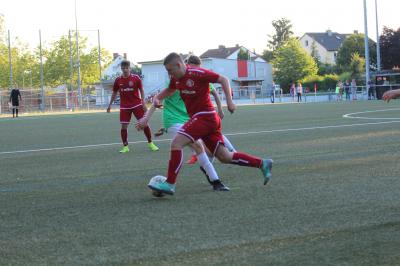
x,y
378,45
9,60
367,77
42,105
78,60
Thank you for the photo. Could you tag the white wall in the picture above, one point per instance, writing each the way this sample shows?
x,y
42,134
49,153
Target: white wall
x,y
327,57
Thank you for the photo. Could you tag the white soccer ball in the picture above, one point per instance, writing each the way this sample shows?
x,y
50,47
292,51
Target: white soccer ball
x,y
153,181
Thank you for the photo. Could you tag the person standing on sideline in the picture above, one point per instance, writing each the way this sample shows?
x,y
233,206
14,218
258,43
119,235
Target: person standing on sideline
x,y
346,86
129,87
204,123
15,97
299,91
354,89
293,90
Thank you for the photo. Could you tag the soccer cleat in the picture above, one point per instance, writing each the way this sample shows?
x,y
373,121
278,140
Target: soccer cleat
x,y
266,169
192,160
125,149
152,146
163,187
205,173
218,186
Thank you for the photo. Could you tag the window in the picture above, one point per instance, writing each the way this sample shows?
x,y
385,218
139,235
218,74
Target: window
x,y
306,42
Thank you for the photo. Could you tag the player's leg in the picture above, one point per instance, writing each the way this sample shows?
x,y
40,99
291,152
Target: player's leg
x,y
124,118
213,142
207,167
138,112
174,165
13,111
228,144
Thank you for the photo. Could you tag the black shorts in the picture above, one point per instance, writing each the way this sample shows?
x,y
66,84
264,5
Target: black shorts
x,y
15,103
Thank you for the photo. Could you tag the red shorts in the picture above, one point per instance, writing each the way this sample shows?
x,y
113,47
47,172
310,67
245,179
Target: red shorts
x,y
206,127
125,115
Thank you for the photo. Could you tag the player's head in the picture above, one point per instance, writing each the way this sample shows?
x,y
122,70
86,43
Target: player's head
x,y
126,68
174,65
194,60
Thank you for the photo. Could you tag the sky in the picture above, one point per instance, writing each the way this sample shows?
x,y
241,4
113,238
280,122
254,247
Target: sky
x,y
150,29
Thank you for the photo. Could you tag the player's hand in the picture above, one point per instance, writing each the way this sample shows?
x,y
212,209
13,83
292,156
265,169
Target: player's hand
x,y
157,103
144,107
141,123
387,96
221,113
231,107
108,109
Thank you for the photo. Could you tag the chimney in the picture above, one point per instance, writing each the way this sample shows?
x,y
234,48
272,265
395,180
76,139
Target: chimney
x,y
115,55
237,45
329,32
125,56
221,46
355,31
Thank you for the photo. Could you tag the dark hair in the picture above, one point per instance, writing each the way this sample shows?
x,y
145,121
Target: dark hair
x,y
125,63
171,57
194,60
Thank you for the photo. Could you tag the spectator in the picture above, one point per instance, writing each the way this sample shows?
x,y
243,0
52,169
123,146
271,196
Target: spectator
x,y
273,92
354,89
299,91
346,87
15,97
292,90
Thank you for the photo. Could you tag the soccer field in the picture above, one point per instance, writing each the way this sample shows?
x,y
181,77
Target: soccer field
x,y
68,197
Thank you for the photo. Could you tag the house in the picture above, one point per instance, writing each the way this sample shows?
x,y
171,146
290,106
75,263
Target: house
x,y
326,44
252,73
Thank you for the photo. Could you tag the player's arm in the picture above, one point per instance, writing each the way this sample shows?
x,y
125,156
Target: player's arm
x,y
141,90
218,102
226,87
143,122
392,94
113,96
19,94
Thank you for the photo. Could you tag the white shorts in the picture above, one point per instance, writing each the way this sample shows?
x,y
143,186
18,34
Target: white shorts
x,y
172,130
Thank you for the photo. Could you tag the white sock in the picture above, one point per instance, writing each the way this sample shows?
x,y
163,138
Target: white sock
x,y
228,144
207,165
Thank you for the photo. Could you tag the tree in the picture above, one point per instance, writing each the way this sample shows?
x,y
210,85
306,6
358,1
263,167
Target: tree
x,y
292,63
283,32
357,65
354,44
314,53
243,54
390,48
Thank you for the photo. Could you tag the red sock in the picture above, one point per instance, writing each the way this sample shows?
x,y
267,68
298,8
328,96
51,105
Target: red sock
x,y
124,136
245,159
147,133
175,163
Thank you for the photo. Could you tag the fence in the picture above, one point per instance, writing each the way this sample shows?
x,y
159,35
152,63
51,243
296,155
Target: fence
x,y
98,99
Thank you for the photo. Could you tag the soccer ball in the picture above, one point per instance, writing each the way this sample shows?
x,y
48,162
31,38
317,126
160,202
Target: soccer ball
x,y
154,180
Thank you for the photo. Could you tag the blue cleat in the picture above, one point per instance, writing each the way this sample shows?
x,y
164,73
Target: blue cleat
x,y
266,169
163,187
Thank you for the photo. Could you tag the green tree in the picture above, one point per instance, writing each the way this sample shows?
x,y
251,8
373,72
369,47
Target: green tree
x,y
243,54
390,48
283,32
357,65
354,44
292,63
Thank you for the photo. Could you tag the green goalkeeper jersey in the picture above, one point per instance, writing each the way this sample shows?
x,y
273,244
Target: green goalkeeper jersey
x,y
175,110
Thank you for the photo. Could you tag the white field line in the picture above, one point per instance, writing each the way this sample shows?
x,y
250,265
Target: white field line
x,y
352,115
228,134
